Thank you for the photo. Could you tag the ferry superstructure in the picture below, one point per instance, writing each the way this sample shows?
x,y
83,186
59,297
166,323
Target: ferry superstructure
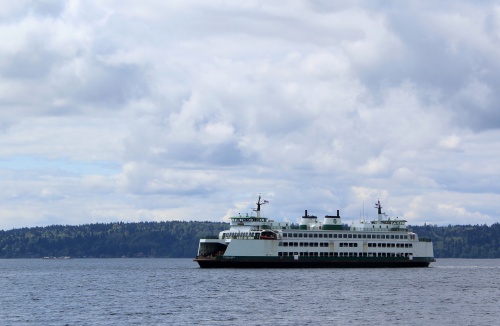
x,y
258,242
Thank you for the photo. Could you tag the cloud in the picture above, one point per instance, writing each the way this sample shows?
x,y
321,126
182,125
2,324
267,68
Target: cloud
x,y
113,110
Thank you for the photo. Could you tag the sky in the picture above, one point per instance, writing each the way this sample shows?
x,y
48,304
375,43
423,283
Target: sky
x,y
160,110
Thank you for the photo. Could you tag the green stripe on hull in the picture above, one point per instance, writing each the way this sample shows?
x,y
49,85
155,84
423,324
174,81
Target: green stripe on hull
x,y
312,262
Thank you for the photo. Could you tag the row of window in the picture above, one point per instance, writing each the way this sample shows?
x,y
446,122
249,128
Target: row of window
x,y
344,244
345,254
303,244
241,235
347,235
390,245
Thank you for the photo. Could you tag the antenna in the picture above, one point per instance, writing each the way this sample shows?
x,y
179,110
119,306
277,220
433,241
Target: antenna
x,y
259,203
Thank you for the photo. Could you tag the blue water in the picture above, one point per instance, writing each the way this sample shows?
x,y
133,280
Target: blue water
x,y
177,292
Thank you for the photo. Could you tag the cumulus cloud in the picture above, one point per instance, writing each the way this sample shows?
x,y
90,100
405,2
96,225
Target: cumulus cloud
x,y
113,110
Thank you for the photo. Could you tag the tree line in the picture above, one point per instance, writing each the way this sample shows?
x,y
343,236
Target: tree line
x,y
108,240
462,241
177,239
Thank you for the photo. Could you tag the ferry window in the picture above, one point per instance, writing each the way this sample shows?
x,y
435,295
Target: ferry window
x,y
285,254
349,236
295,235
321,235
383,236
364,236
311,244
344,236
306,244
280,244
280,253
379,245
315,235
392,245
295,244
406,237
315,244
335,236
310,235
383,245
285,244
301,244
392,236
335,254
411,245
330,235
378,236
355,245
300,235
368,236
350,244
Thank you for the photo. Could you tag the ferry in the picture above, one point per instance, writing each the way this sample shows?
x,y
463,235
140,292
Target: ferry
x,y
259,242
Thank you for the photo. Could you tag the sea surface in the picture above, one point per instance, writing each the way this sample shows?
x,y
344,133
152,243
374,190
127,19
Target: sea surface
x,y
177,292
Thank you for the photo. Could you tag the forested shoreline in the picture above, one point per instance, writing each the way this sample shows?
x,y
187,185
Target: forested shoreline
x,y
173,239
178,239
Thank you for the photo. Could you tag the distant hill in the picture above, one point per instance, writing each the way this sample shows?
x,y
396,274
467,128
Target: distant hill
x,y
144,239
462,241
180,239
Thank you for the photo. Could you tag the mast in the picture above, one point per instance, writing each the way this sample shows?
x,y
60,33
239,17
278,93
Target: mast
x,y
259,203
379,207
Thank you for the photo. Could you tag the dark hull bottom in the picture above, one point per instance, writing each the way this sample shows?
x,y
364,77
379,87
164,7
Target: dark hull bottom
x,y
226,263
